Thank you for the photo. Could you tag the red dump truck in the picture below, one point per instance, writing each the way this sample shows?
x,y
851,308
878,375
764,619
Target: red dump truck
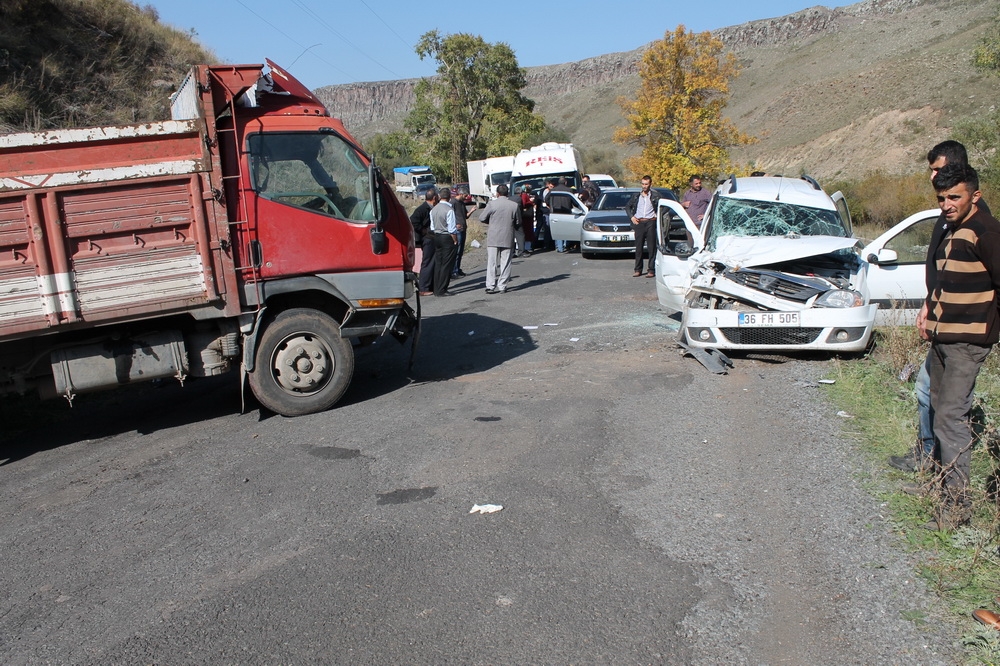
x,y
248,232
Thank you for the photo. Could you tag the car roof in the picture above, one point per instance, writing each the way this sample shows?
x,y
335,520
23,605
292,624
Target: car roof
x,y
797,191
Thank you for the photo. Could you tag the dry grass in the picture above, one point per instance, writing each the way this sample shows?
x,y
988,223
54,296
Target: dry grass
x,y
879,200
76,63
960,566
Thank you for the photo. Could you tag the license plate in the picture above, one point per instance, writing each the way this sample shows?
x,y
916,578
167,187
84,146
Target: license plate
x,y
615,239
768,319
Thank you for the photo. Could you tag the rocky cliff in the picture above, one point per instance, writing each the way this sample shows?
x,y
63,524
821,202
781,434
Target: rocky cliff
x,y
819,87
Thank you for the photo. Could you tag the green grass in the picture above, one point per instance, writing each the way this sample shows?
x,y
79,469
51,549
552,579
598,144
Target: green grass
x,y
962,567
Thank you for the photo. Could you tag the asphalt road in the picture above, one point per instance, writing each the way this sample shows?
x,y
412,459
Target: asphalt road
x,y
653,512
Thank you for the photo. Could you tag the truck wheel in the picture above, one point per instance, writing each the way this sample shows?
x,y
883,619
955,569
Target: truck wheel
x,y
303,366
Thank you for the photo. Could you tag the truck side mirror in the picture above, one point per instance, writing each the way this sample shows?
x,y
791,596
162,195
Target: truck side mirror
x,y
379,243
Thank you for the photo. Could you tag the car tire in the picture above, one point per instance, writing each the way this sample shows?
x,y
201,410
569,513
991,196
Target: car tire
x,y
303,365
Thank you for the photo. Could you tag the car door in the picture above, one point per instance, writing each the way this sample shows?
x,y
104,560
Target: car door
x,y
565,216
673,260
845,214
896,269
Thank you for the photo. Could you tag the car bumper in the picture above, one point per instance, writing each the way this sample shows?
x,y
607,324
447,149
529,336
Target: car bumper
x,y
593,241
819,329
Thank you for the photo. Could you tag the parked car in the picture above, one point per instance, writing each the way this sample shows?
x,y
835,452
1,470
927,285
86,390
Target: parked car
x,y
602,180
607,227
775,266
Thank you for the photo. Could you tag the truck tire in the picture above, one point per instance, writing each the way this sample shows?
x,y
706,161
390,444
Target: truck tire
x,y
303,366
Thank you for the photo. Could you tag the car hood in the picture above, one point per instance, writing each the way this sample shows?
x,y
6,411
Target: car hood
x,y
608,216
744,251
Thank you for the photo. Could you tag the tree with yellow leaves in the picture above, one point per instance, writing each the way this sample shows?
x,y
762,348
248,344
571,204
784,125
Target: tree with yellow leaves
x,y
676,117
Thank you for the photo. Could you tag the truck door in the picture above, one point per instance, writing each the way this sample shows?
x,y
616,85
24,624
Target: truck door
x,y
314,204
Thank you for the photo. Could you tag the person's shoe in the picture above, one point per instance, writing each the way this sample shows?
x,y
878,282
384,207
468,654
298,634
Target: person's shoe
x,y
637,274
427,293
987,617
907,463
526,253
491,291
650,274
458,274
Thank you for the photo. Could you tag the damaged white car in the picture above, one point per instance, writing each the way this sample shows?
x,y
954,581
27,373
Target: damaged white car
x,y
774,267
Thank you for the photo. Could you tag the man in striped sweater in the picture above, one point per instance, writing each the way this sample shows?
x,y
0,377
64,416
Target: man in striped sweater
x,y
961,319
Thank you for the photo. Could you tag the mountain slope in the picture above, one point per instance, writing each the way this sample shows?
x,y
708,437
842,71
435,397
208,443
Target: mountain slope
x,y
831,92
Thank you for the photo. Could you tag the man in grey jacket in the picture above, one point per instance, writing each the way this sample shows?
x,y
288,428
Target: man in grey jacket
x,y
501,214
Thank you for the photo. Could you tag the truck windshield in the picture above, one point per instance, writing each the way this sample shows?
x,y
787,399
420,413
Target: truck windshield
x,y
426,180
500,178
317,171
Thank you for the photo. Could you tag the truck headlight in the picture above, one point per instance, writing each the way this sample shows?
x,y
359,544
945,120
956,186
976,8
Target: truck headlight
x,y
840,298
588,225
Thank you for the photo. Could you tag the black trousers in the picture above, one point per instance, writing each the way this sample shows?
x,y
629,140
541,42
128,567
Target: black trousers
x,y
426,281
645,232
444,258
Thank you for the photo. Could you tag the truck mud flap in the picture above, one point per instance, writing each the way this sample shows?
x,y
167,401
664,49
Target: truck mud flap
x,y
406,324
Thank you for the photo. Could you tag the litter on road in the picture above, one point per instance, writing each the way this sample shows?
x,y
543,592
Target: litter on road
x,y
529,328
485,508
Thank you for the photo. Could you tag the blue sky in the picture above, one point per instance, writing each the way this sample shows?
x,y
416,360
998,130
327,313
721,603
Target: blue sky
x,y
325,42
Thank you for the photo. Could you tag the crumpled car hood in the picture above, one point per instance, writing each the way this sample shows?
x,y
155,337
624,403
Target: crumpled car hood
x,y
746,252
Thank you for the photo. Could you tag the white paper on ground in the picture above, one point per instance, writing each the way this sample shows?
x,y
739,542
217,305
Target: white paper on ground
x,y
485,508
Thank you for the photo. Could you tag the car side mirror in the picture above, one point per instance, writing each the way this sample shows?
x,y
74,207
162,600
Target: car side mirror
x,y
884,256
578,211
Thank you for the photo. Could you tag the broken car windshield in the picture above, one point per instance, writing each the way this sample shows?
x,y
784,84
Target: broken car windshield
x,y
746,217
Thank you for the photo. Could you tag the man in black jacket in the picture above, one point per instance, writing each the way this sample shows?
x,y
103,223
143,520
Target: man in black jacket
x,y
424,239
642,212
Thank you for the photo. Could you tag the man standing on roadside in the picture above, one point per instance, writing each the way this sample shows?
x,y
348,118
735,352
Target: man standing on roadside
x,y
424,239
641,209
445,240
922,457
591,188
961,320
501,214
696,200
461,223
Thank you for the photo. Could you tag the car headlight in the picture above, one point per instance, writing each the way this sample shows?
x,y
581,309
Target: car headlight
x,y
588,225
840,298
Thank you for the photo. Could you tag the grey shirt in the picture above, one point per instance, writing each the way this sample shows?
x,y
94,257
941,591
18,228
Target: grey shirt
x,y
443,218
501,214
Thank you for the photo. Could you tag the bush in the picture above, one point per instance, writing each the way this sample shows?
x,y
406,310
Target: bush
x,y
880,199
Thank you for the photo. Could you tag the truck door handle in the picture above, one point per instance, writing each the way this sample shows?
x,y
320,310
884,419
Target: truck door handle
x,y
256,254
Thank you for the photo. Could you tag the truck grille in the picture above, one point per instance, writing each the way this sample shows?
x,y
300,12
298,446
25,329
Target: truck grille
x,y
771,336
776,284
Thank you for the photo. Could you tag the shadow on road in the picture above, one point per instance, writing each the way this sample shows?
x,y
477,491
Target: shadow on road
x,y
32,425
450,345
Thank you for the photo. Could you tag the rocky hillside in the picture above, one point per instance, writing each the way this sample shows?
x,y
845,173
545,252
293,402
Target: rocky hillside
x,y
831,92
